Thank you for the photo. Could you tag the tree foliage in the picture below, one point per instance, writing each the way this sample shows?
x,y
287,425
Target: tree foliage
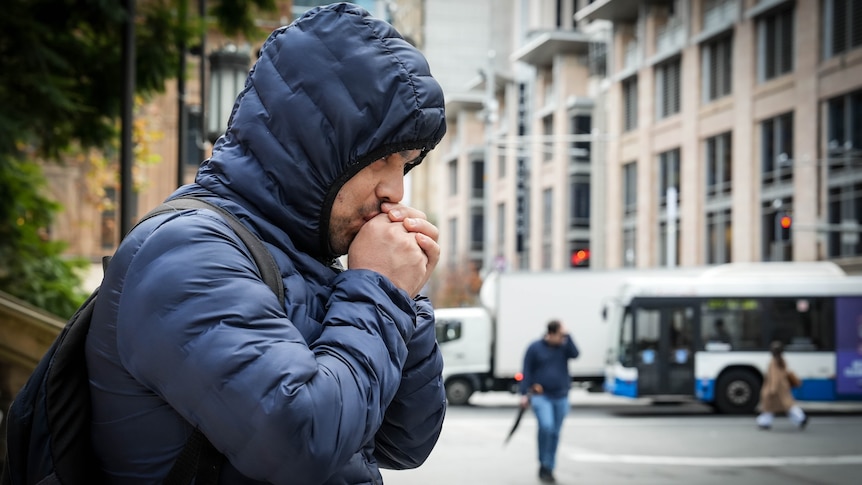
x,y
60,86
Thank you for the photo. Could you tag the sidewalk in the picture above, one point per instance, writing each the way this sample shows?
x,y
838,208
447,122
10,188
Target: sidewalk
x,y
580,398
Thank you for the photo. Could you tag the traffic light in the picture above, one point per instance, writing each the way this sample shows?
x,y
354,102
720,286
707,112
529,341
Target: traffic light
x,y
785,221
580,258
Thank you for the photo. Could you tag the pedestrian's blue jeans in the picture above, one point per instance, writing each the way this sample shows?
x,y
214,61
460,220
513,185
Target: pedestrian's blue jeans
x,y
549,413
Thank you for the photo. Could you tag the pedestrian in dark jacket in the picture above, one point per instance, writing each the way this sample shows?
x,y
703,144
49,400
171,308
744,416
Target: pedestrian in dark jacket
x,y
345,376
545,387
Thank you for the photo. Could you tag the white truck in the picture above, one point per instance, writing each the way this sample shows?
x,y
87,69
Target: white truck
x,y
483,347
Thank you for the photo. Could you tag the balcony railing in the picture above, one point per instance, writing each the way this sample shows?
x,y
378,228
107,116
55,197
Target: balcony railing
x,y
721,14
670,37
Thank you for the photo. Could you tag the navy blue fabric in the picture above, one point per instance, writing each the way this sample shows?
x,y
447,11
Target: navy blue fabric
x,y
548,365
346,376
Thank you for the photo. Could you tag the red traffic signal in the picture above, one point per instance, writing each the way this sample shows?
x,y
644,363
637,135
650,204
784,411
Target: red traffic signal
x,y
580,257
785,221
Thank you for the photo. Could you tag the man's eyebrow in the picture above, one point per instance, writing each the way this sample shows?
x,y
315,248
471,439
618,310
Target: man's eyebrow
x,y
405,154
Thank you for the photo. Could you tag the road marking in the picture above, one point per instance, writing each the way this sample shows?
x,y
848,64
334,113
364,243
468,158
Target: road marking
x,y
703,461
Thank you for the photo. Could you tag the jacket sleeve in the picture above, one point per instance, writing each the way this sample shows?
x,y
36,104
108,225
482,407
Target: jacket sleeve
x,y
571,348
414,419
198,327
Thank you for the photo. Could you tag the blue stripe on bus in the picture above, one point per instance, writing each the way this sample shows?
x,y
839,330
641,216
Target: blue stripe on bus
x,y
816,390
811,390
704,389
625,388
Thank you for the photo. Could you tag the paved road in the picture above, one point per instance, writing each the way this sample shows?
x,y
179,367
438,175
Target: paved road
x,y
611,441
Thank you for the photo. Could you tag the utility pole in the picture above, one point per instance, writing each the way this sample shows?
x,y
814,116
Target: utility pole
x,y
672,211
127,190
490,115
182,121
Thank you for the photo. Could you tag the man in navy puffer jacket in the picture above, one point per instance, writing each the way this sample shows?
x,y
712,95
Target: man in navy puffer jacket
x,y
345,377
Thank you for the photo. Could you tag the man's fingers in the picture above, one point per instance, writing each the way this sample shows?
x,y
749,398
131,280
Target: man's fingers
x,y
398,212
421,226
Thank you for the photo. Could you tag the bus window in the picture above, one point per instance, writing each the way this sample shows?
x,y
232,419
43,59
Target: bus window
x,y
731,324
448,330
626,348
648,328
803,324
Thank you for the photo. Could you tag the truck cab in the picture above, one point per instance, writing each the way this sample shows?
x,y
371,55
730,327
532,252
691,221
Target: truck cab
x,y
465,338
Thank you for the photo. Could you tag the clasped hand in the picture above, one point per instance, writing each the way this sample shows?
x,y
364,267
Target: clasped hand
x,y
400,244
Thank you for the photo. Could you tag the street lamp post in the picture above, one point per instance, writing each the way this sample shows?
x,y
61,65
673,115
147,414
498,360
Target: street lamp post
x,y
490,118
228,70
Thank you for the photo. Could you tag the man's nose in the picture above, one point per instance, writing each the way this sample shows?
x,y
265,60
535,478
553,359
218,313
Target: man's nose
x,y
391,186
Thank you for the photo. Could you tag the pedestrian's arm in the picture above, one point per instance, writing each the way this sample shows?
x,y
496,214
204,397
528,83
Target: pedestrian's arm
x,y
414,419
571,349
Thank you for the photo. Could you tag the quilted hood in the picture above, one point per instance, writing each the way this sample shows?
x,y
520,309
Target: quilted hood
x,y
329,94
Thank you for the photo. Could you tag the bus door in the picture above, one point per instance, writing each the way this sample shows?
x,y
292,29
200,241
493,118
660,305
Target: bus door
x,y
664,336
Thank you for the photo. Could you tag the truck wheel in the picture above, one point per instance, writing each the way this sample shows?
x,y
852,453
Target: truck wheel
x,y
737,392
458,391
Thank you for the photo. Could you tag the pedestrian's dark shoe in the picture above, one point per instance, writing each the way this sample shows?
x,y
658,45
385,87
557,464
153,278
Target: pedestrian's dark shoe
x,y
546,476
804,423
764,427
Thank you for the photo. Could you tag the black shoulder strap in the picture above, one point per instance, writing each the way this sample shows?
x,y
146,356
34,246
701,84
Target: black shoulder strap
x,y
200,459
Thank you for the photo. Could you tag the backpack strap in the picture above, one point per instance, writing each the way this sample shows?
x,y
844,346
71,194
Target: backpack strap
x,y
200,459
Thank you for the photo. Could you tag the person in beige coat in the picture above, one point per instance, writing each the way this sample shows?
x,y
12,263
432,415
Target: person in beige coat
x,y
775,395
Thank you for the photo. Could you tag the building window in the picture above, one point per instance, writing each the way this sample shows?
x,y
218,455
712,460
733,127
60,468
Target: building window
x,y
453,177
630,188
579,201
718,237
477,179
548,138
775,44
598,59
669,28
547,224
630,103
845,218
719,165
844,132
716,59
777,149
581,126
453,241
667,83
842,26
501,165
668,174
629,222
477,229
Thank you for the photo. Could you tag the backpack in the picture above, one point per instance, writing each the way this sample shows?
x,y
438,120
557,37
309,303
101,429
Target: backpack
x,y
48,423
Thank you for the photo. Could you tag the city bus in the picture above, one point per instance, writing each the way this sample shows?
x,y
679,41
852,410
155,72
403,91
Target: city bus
x,y
706,337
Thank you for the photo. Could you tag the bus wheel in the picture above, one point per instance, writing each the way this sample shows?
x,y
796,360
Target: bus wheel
x,y
458,391
737,392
